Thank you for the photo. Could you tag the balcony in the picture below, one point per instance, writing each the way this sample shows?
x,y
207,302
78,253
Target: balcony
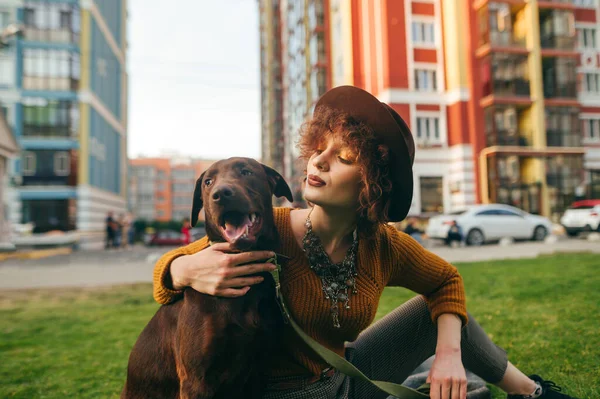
x,y
60,35
505,39
559,77
505,75
557,29
498,26
506,126
555,42
49,131
562,127
567,90
562,138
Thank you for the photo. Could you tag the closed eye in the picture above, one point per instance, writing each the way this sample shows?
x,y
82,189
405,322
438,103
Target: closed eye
x,y
345,161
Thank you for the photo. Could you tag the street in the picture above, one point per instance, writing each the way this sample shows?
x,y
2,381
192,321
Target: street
x,y
97,268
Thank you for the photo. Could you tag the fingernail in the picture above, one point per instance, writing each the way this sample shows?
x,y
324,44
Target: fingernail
x,y
271,253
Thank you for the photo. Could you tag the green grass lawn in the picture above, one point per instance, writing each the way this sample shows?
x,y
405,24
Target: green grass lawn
x,y
544,312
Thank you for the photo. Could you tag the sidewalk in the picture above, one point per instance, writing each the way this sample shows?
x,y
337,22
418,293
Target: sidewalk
x,y
97,268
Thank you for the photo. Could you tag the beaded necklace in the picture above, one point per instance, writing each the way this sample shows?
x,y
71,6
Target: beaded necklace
x,y
339,279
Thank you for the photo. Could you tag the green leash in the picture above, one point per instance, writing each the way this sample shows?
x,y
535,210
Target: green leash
x,y
335,360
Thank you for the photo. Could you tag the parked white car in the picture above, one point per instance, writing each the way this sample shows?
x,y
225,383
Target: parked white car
x,y
582,216
491,222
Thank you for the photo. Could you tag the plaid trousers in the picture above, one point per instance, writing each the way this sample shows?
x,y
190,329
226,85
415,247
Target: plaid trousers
x,y
391,348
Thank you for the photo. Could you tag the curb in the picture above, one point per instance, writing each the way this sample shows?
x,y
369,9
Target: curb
x,y
35,254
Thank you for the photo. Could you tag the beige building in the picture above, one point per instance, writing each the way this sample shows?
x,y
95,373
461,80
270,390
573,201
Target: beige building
x,y
8,149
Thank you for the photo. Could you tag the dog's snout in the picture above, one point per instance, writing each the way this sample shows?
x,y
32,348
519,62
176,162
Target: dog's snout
x,y
222,193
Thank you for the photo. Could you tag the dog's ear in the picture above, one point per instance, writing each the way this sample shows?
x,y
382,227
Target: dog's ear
x,y
197,203
279,187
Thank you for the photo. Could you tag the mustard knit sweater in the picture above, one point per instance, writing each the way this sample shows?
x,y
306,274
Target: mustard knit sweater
x,y
389,258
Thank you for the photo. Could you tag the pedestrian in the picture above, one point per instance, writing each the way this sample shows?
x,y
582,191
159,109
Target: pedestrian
x,y
125,228
109,222
186,231
454,234
130,230
343,254
413,231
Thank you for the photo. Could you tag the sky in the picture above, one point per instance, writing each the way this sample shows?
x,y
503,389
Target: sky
x,y
194,78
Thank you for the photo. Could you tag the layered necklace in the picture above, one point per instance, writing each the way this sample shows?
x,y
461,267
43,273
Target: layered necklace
x,y
339,279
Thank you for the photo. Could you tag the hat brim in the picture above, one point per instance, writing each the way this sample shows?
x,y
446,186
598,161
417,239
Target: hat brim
x,y
366,108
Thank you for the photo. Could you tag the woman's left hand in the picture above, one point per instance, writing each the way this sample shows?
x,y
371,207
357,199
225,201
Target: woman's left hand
x,y
447,376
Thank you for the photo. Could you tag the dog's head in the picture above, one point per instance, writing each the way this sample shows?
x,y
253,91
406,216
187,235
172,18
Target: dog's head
x,y
236,194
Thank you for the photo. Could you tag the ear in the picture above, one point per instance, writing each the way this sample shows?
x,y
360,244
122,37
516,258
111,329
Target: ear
x,y
197,203
279,187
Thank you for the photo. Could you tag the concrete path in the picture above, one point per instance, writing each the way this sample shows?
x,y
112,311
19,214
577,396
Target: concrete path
x,y
97,268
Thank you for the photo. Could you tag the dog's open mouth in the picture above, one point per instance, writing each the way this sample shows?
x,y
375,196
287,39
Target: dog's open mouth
x,y
240,228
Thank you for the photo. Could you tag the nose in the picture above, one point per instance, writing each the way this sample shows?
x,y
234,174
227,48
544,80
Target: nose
x,y
320,162
222,193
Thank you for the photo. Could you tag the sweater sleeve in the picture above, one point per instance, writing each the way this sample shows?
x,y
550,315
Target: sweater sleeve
x,y
424,272
162,285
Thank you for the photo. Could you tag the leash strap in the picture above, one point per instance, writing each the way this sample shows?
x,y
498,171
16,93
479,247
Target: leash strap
x,y
335,360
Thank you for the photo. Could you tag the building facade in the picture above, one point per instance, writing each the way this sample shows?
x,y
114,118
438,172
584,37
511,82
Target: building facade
x,y
295,72
162,188
63,84
8,150
501,96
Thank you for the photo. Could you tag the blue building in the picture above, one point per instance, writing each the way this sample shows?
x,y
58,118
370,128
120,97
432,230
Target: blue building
x,y
63,89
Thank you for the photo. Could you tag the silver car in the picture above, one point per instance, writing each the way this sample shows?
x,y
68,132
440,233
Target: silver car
x,y
491,222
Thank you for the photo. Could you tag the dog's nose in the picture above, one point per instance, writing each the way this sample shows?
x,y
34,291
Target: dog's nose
x,y
222,193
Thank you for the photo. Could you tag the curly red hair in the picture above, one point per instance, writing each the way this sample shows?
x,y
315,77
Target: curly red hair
x,y
371,155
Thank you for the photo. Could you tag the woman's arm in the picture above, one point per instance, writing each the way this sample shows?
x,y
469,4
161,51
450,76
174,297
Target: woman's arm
x,y
447,376
422,271
213,270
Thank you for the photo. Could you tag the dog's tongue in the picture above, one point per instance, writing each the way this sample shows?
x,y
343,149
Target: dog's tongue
x,y
235,229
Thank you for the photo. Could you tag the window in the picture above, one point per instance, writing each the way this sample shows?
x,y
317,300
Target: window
x,y
591,129
425,79
50,118
28,163
423,33
432,194
62,165
4,19
428,130
45,69
59,20
584,3
506,212
48,215
586,38
7,73
591,83
489,212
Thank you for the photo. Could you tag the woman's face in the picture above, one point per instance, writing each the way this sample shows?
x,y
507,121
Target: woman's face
x,y
333,176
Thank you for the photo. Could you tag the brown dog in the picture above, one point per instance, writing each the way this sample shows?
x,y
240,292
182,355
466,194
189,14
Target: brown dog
x,y
214,347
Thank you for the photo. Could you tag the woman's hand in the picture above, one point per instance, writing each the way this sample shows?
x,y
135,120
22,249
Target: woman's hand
x,y
447,376
217,271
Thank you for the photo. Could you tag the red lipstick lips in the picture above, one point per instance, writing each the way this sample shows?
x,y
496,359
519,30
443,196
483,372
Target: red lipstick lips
x,y
315,181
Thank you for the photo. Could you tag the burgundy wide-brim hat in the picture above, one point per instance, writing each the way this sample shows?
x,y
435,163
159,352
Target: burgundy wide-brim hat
x,y
391,129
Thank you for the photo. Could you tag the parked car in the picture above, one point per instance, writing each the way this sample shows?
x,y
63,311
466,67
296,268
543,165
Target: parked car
x,y
165,237
582,216
491,222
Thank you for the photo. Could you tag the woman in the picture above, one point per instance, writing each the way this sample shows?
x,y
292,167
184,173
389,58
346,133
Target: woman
x,y
360,154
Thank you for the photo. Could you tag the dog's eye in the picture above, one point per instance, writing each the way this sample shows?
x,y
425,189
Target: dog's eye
x,y
246,172
207,182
